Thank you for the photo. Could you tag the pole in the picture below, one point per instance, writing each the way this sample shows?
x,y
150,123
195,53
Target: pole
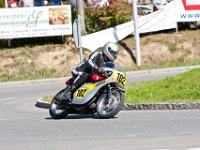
x,y
81,12
176,27
136,33
6,4
80,40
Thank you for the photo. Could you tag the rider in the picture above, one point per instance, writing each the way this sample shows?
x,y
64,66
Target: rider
x,y
81,72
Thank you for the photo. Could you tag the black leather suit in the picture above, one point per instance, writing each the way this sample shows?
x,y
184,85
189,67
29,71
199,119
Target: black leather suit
x,y
81,73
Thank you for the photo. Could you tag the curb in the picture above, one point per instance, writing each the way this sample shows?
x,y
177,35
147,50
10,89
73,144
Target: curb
x,y
152,71
134,107
140,72
50,80
42,104
166,106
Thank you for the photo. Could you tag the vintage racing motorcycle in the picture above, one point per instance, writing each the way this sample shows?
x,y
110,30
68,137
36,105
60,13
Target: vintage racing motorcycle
x,y
102,94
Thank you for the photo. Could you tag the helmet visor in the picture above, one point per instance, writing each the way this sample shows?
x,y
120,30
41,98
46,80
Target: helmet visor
x,y
112,52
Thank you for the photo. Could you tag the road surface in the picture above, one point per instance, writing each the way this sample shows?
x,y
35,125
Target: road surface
x,y
24,126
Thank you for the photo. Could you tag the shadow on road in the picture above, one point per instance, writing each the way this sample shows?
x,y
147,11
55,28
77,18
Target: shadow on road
x,y
80,116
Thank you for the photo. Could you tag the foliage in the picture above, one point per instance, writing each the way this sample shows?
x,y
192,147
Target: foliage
x,y
97,19
74,14
2,4
181,88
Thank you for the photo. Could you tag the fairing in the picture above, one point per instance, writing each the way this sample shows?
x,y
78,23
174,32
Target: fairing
x,y
88,90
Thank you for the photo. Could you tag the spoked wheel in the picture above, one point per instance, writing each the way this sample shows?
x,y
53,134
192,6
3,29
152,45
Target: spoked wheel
x,y
57,110
109,108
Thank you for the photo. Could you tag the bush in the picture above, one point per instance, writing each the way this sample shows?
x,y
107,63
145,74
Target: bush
x,y
2,4
97,19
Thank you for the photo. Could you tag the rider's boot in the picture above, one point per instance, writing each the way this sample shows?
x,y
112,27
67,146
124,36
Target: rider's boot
x,y
67,97
77,83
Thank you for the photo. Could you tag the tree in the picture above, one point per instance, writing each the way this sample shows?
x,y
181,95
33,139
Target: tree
x,y
2,4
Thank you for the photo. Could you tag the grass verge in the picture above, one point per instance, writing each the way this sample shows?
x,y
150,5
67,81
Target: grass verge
x,y
171,64
179,89
47,98
30,75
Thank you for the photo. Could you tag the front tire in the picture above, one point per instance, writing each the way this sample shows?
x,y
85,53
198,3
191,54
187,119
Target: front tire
x,y
109,108
58,111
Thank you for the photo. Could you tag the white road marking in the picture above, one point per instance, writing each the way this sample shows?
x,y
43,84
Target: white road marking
x,y
7,99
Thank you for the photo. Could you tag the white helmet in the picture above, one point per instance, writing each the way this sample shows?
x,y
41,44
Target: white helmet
x,y
111,50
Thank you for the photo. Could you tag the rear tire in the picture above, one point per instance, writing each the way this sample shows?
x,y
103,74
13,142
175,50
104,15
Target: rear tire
x,y
105,111
58,111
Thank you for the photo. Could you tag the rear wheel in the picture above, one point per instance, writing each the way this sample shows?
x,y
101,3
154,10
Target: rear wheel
x,y
109,108
58,110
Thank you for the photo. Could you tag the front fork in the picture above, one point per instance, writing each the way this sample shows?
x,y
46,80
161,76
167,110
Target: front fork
x,y
108,92
108,95
109,99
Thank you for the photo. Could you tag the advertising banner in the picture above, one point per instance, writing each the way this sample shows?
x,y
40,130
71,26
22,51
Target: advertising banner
x,y
35,22
188,10
159,20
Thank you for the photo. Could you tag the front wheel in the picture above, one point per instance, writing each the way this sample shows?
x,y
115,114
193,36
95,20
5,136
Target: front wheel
x,y
109,108
58,111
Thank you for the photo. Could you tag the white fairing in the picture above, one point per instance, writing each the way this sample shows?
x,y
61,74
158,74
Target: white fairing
x,y
89,94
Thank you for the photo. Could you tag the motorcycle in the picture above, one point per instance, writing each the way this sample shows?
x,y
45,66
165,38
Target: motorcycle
x,y
102,94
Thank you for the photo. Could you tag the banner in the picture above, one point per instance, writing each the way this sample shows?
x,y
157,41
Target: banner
x,y
156,21
35,22
188,10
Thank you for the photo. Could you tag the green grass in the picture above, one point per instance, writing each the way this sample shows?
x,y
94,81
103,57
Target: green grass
x,y
181,88
29,75
47,98
171,64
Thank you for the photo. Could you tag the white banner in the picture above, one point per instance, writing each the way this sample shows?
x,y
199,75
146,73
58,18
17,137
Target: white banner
x,y
35,22
156,21
188,10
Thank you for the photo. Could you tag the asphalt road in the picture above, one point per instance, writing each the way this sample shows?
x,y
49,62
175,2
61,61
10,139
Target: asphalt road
x,y
24,126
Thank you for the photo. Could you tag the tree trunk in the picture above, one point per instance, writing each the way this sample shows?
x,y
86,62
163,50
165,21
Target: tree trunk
x,y
80,7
